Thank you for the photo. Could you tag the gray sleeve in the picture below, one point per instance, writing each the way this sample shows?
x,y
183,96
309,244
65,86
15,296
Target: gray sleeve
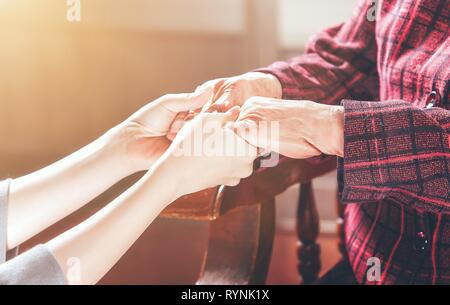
x,y
37,266
4,192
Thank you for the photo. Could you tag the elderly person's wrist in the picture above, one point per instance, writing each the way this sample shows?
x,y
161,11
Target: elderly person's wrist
x,y
324,126
337,137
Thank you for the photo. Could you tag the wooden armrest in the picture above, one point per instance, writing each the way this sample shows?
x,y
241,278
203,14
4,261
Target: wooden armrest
x,y
204,205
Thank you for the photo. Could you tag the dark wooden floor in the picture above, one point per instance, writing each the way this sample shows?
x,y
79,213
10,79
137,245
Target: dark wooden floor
x,y
283,267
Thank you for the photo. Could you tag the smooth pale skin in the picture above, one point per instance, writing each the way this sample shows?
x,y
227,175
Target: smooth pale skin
x,y
306,128
43,197
46,196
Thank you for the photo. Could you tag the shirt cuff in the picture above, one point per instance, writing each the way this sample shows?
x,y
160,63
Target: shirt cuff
x,y
365,144
37,266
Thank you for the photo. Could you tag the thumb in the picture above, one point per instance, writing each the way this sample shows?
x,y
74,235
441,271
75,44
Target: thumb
x,y
248,130
199,98
223,103
186,101
233,113
228,117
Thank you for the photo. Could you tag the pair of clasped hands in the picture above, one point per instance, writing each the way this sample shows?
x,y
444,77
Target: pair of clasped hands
x,y
185,143
239,104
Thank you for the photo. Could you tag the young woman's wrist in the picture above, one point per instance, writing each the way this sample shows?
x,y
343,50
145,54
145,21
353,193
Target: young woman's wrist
x,y
166,175
114,145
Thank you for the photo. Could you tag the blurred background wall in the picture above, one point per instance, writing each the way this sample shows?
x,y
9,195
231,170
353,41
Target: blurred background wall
x,y
62,84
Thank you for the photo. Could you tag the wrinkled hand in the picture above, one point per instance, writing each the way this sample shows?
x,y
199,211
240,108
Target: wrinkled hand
x,y
206,153
229,92
143,135
225,93
303,128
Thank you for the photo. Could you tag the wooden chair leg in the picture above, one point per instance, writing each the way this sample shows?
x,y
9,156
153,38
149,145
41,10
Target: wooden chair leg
x,y
240,246
309,264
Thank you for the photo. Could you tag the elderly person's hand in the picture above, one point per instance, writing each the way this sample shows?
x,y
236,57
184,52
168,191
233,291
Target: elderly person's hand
x,y
304,128
224,93
236,90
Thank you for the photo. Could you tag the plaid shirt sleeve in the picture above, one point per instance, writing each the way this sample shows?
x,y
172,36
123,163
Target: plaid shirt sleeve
x,y
338,63
396,151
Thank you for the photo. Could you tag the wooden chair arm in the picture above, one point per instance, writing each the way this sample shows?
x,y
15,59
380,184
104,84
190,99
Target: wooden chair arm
x,y
264,184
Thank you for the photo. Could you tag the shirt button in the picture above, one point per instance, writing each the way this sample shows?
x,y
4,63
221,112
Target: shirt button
x,y
433,99
421,242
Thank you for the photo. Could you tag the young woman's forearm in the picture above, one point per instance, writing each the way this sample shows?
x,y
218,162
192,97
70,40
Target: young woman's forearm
x,y
89,250
44,197
95,245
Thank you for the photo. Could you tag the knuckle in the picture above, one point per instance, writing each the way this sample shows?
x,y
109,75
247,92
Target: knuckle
x,y
205,116
233,182
253,100
237,81
245,171
252,105
248,171
200,119
175,96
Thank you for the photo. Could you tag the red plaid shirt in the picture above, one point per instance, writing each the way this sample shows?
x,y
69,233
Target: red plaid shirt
x,y
393,74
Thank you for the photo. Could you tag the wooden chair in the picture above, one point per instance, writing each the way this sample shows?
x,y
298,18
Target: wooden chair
x,y
242,223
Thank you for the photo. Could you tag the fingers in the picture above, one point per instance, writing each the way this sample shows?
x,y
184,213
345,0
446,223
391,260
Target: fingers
x,y
213,85
223,103
233,113
248,131
232,182
217,87
210,108
222,99
186,105
179,121
182,102
250,119
230,116
241,170
254,126
213,135
220,105
257,102
245,171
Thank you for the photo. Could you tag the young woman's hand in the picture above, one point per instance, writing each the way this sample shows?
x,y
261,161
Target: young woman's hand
x,y
207,153
142,136
129,147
